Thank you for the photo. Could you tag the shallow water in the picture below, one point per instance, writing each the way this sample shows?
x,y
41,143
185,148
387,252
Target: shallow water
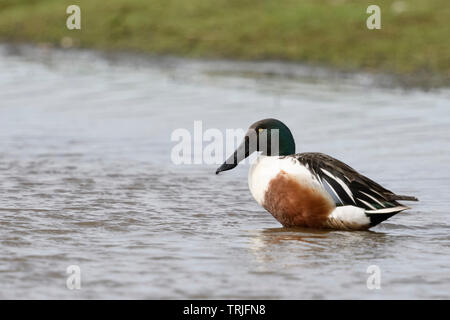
x,y
86,179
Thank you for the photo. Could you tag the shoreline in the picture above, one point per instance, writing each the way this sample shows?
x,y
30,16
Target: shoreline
x,y
258,69
411,46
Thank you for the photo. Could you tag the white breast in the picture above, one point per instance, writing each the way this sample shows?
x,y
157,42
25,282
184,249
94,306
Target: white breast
x,y
265,168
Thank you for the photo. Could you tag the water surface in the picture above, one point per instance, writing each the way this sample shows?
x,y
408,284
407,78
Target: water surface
x,y
86,179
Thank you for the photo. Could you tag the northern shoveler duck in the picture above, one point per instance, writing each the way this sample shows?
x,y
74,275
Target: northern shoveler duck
x,y
310,190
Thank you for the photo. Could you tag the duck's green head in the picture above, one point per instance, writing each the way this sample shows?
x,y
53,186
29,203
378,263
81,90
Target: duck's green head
x,y
269,136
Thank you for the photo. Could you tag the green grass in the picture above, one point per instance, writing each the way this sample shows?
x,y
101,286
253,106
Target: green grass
x,y
414,40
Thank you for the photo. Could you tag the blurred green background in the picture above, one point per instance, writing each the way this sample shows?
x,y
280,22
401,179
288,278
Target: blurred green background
x,y
414,38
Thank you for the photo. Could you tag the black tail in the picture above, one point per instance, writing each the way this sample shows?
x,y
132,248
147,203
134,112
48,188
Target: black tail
x,y
401,197
378,218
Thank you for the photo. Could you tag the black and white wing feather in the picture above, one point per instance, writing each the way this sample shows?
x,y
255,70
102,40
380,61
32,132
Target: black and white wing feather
x,y
347,187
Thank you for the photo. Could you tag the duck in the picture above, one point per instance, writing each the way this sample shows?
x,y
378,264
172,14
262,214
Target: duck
x,y
310,190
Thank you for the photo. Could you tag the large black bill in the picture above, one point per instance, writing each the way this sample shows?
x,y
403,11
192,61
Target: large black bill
x,y
240,154
247,147
225,166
